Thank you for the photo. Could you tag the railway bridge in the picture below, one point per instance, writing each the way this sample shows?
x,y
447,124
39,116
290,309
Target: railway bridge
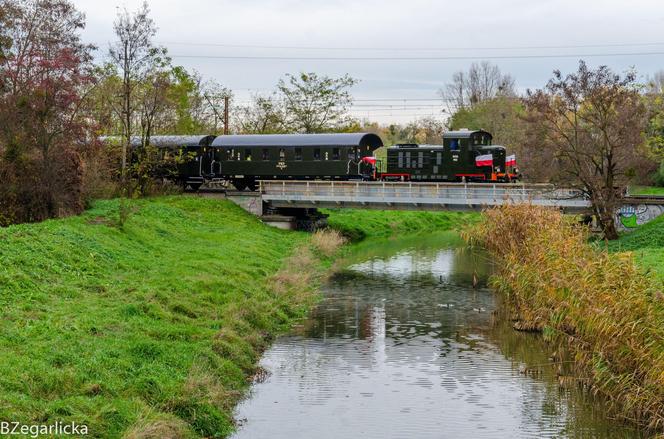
x,y
285,202
415,196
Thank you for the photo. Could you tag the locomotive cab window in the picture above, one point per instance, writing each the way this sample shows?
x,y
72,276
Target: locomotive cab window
x,y
317,154
351,154
335,154
454,144
298,153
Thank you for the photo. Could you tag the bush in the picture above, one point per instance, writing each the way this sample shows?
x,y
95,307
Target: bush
x,y
658,176
33,189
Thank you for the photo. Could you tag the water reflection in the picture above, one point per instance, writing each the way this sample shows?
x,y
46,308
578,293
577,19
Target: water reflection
x,y
403,346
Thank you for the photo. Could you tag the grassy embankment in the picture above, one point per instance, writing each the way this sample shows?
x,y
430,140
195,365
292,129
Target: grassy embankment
x,y
646,244
155,330
646,190
599,305
358,224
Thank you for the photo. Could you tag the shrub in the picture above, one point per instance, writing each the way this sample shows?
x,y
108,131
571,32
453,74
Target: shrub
x,y
658,176
327,241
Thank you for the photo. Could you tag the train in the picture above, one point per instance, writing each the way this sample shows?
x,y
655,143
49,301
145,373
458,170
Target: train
x,y
243,160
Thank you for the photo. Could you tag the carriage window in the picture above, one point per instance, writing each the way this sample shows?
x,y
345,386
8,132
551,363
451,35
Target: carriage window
x,y
247,154
298,153
439,158
351,154
408,159
335,154
454,144
400,159
231,154
317,154
420,159
266,154
282,154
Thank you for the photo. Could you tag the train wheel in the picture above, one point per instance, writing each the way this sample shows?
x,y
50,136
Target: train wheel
x,y
239,184
195,186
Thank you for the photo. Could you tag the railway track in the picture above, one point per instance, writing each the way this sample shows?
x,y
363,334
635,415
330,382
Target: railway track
x,y
644,199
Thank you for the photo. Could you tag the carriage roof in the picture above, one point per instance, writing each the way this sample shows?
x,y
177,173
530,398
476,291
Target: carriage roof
x,y
164,141
464,134
297,140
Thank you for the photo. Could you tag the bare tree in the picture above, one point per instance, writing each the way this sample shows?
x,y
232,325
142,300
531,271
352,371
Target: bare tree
x,y
482,82
655,85
313,103
134,55
209,105
152,101
455,92
264,115
592,120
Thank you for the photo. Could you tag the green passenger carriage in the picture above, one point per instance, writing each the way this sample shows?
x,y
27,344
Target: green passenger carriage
x,y
244,159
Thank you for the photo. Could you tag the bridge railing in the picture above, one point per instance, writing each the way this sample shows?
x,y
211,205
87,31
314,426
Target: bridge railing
x,y
425,192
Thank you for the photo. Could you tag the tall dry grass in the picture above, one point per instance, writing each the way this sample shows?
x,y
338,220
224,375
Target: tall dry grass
x,y
297,277
327,242
608,313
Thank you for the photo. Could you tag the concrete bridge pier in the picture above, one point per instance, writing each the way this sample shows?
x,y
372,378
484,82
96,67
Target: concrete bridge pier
x,y
287,218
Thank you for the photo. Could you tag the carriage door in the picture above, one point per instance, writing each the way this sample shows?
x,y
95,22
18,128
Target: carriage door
x,y
207,158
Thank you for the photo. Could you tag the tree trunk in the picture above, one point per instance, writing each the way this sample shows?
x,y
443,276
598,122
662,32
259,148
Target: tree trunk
x,y
605,212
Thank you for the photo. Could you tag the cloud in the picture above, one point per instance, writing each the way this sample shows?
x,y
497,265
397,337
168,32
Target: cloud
x,y
496,27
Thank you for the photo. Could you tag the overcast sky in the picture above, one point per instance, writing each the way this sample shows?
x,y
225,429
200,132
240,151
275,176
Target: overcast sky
x,y
629,34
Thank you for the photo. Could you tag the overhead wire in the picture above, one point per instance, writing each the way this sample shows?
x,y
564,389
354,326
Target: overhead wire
x,y
271,47
413,58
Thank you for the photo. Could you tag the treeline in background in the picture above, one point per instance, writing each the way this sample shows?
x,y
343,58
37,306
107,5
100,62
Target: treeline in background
x,y
592,129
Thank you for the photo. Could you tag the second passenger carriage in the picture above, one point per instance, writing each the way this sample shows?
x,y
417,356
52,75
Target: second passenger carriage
x,y
244,159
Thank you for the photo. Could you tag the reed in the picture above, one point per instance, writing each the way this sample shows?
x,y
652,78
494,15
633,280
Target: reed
x,y
599,304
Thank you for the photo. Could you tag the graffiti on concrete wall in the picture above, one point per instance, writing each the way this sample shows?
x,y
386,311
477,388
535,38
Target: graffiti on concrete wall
x,y
633,215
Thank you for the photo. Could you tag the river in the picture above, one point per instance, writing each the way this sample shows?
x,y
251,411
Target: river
x,y
404,346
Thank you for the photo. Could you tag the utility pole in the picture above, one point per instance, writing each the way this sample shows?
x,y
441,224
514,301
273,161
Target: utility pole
x,y
226,115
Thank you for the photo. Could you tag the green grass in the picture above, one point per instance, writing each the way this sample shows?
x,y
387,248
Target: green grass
x,y
154,330
359,224
153,327
646,190
647,244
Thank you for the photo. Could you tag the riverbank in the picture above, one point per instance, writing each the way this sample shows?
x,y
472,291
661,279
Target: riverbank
x,y
646,244
356,224
597,305
154,329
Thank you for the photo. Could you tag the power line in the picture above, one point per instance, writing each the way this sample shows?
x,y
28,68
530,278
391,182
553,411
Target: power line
x,y
395,107
270,47
400,99
380,101
413,58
